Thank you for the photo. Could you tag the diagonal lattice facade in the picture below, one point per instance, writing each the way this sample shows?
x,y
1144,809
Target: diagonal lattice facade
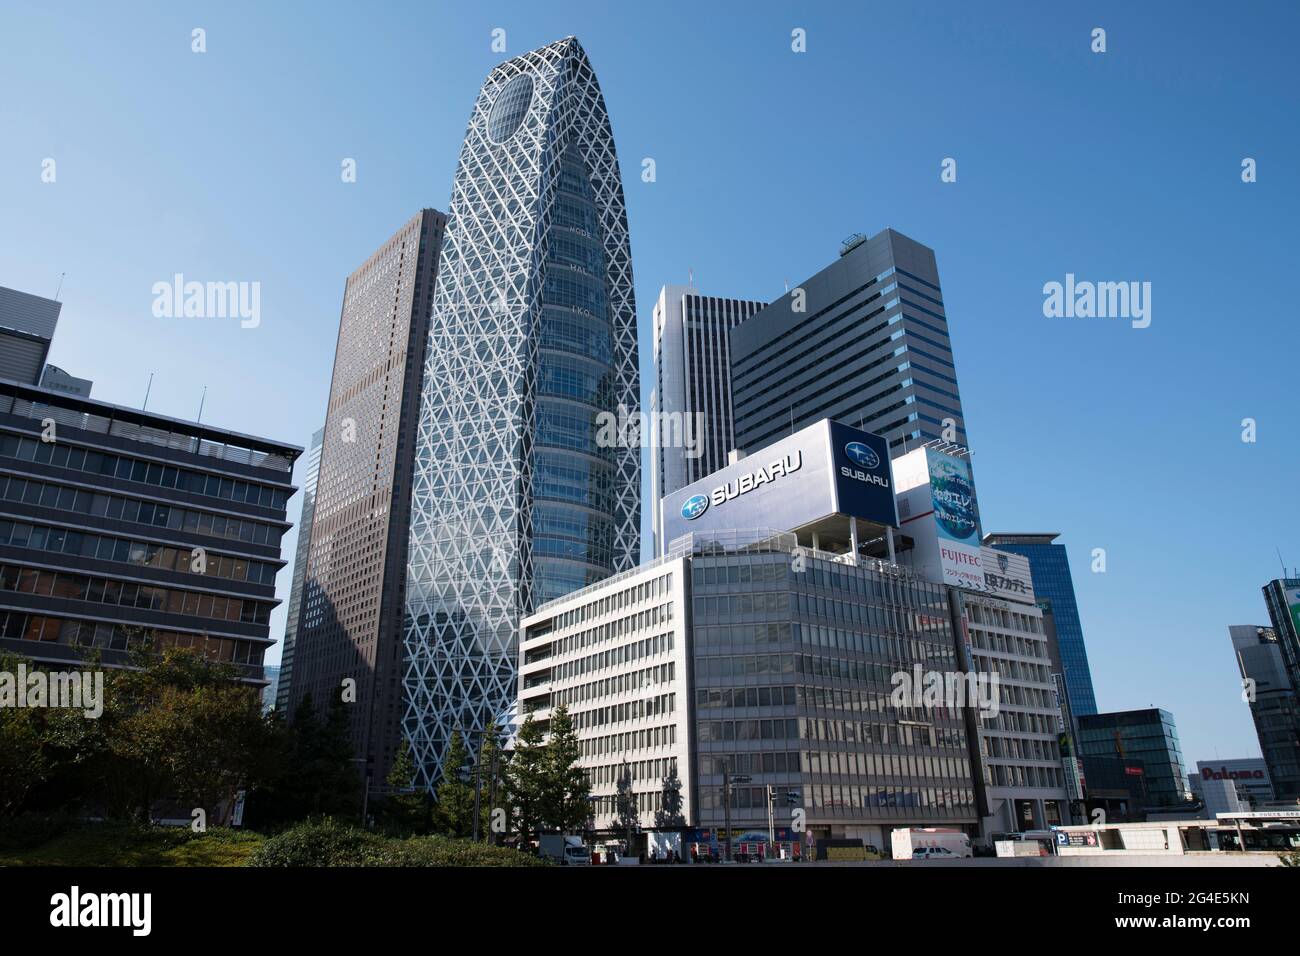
x,y
533,335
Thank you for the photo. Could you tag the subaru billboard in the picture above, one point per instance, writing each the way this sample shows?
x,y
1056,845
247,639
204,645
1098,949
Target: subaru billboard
x,y
826,469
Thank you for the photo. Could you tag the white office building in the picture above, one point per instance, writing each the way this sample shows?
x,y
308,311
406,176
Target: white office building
x,y
691,396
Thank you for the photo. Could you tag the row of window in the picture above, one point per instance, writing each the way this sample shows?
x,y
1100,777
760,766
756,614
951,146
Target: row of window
x,y
63,455
138,553
647,707
664,736
638,771
614,657
119,637
856,800
625,597
82,587
653,617
158,515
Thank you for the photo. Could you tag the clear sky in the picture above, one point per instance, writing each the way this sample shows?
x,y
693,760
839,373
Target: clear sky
x,y
1119,166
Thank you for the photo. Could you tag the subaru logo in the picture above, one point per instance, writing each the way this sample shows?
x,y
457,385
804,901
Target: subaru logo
x,y
694,506
862,455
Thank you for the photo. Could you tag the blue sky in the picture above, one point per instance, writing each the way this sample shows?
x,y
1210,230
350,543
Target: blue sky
x,y
1117,166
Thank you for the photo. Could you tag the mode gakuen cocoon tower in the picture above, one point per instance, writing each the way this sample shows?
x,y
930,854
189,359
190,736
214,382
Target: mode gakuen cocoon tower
x,y
533,336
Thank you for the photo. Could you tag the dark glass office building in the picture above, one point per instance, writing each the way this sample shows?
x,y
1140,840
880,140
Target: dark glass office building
x,y
1142,742
864,341
1054,586
294,610
118,524
1272,694
354,586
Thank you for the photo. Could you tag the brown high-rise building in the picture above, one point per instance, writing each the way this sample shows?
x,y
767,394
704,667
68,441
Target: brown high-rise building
x,y
350,623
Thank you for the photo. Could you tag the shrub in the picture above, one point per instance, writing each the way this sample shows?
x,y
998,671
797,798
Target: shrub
x,y
327,842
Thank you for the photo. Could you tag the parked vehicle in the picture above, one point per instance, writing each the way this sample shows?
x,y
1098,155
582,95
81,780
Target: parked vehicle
x,y
564,849
948,843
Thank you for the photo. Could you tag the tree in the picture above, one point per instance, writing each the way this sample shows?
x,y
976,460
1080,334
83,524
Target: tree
x,y
182,727
404,804
491,762
669,815
566,785
625,808
455,811
525,778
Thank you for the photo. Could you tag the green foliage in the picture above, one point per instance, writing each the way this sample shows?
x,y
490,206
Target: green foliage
x,y
311,769
564,805
65,843
455,810
1289,859
404,804
327,842
526,778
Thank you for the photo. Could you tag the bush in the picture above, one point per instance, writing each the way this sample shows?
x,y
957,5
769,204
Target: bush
x,y
327,842
63,842
29,830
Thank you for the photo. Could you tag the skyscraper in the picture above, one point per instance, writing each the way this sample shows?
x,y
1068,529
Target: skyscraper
x,y
864,342
691,400
1274,703
350,620
533,337
282,690
1052,582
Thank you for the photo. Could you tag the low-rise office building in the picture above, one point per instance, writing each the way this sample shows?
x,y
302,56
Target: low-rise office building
x,y
764,660
1143,745
116,524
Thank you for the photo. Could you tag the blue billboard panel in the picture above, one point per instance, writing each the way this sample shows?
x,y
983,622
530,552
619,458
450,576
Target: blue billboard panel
x,y
864,483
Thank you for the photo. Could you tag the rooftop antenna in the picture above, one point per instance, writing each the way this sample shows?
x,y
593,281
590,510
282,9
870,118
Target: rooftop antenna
x,y
787,284
1281,562
690,276
147,389
202,399
60,288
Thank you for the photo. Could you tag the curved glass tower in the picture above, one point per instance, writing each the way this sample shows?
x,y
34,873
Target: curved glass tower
x,y
533,336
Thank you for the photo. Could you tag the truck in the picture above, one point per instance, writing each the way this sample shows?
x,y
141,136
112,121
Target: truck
x,y
565,849
930,843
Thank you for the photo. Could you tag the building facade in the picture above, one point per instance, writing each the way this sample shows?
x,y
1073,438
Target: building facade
x,y
119,525
864,341
27,324
1274,703
519,495
353,593
769,663
691,400
1248,777
300,558
1019,754
1054,585
1147,738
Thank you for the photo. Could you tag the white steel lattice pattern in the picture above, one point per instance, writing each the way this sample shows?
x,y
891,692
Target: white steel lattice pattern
x,y
472,573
